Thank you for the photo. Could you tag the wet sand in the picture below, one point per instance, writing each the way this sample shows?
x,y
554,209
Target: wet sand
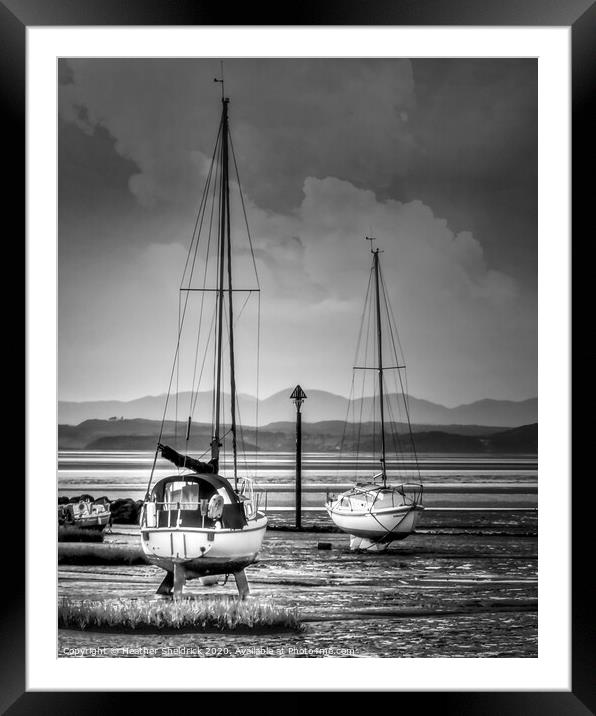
x,y
463,586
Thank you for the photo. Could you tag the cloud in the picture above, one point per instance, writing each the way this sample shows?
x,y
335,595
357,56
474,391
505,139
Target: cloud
x,y
168,130
325,235
283,259
168,179
468,329
319,155
465,324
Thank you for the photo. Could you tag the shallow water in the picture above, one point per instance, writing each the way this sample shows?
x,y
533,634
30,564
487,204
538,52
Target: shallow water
x,y
134,467
126,474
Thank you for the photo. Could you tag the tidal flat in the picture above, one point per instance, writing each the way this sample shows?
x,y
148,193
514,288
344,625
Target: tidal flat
x,y
461,590
465,585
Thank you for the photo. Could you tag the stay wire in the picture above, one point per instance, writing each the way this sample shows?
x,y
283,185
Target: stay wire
x,y
351,399
368,305
194,396
405,399
252,253
177,350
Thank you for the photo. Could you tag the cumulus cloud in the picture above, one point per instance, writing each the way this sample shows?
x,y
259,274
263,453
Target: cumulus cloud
x,y
324,238
455,312
462,323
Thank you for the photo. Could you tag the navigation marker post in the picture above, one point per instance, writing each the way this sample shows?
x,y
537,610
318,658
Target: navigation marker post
x,y
298,396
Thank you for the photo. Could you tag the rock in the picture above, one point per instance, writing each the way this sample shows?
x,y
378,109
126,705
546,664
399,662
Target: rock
x,y
125,511
324,545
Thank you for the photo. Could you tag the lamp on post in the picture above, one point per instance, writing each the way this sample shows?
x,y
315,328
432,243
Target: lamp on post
x,y
298,396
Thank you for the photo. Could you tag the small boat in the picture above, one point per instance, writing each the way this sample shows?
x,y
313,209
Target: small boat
x,y
84,514
195,523
376,513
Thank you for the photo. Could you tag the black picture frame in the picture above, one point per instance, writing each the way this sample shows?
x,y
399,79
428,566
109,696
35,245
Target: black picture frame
x,y
580,15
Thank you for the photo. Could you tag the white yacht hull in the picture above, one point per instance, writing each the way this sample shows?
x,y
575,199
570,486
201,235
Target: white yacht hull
x,y
379,527
204,551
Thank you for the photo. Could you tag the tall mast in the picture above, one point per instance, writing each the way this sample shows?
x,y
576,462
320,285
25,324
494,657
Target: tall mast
x,y
223,230
375,253
231,311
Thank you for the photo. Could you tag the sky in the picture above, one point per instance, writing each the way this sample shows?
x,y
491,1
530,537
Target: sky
x,y
435,158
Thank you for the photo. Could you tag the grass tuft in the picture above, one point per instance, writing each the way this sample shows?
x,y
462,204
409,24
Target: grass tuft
x,y
79,534
211,614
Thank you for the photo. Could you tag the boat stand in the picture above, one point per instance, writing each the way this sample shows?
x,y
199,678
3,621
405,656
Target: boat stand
x,y
167,584
242,584
179,578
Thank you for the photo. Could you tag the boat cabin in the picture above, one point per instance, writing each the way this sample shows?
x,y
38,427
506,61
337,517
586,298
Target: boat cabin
x,y
203,501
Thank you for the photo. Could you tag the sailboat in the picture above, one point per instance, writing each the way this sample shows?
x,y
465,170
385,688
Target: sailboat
x,y
195,523
376,513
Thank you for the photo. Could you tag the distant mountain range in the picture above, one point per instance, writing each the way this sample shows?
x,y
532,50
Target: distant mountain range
x,y
320,406
327,436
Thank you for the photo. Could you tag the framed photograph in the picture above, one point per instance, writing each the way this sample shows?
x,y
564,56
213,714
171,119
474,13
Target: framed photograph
x,y
298,352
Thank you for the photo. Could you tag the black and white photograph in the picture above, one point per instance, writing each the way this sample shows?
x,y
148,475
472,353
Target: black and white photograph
x,y
297,357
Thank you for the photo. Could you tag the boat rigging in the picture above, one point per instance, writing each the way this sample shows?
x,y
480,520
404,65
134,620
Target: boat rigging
x,y
373,514
195,524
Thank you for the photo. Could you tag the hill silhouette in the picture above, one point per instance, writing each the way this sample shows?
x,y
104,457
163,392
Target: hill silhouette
x,y
320,406
325,436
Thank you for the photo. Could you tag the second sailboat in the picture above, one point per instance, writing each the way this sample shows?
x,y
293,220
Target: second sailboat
x,y
376,513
